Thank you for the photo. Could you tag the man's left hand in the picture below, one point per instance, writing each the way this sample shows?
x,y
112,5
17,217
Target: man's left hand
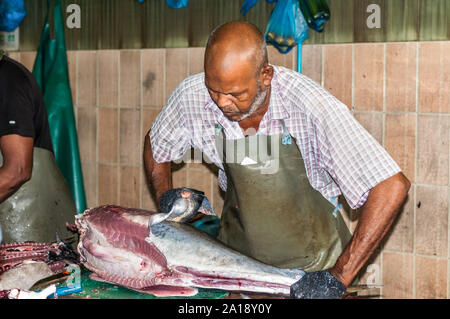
x,y
318,285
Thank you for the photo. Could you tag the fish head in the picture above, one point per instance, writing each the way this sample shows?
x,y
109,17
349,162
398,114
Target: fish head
x,y
198,202
182,204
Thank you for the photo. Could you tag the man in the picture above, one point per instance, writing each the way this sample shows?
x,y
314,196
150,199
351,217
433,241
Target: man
x,y
284,217
35,199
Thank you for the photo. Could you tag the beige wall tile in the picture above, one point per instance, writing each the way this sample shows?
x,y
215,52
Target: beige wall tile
x,y
130,136
90,183
369,69
176,68
179,175
433,149
431,278
400,141
72,66
277,58
197,160
108,77
86,78
338,72
445,84
108,179
373,123
398,276
130,186
153,75
130,78
312,62
87,133
201,180
432,220
108,135
148,117
434,79
196,57
401,65
27,59
401,235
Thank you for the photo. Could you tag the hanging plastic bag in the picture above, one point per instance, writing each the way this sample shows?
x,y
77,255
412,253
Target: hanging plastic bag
x,y
287,26
12,12
248,4
177,4
316,13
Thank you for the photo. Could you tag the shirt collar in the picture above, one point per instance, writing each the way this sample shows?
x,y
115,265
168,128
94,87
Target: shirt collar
x,y
277,110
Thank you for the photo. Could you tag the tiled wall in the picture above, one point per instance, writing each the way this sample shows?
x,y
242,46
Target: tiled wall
x,y
399,91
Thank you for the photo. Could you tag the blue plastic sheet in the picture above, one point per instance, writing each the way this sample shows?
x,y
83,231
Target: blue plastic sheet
x,y
287,26
12,13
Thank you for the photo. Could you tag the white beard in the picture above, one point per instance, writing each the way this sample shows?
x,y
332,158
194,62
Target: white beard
x,y
259,100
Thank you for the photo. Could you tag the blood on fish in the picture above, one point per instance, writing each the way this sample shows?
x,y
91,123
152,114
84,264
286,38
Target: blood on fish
x,y
143,264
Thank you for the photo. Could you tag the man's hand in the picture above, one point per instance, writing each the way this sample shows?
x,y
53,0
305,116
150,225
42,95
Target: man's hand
x,y
318,285
377,216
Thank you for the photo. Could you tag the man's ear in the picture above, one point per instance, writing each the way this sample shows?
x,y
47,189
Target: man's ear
x,y
267,74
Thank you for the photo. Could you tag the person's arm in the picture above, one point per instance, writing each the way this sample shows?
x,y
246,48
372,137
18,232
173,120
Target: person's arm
x,y
158,174
377,215
17,165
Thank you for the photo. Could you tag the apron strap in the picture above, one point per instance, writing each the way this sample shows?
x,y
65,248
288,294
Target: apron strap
x,y
286,138
218,128
334,201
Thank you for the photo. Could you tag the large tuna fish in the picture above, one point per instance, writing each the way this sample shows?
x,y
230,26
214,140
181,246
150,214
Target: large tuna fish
x,y
173,260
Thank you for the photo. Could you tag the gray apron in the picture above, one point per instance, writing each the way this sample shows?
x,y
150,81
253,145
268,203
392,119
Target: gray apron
x,y
271,212
41,207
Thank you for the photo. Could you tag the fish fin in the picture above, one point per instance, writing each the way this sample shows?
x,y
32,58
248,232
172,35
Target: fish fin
x,y
206,208
157,218
175,214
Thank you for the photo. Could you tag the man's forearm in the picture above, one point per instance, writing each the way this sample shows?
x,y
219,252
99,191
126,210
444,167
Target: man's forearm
x,y
9,184
158,174
378,214
17,152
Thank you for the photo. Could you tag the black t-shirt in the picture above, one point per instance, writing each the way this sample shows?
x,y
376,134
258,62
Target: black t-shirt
x,y
22,108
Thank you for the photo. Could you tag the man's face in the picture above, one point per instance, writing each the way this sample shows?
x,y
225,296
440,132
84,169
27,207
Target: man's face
x,y
237,91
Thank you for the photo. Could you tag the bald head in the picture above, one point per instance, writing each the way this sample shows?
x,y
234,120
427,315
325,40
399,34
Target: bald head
x,y
236,43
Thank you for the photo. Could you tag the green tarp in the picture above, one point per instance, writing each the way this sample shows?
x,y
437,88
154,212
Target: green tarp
x,y
51,72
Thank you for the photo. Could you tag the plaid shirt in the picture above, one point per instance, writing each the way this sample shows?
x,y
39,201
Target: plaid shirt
x,y
340,156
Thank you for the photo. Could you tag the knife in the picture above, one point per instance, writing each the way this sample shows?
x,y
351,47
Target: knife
x,y
53,279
